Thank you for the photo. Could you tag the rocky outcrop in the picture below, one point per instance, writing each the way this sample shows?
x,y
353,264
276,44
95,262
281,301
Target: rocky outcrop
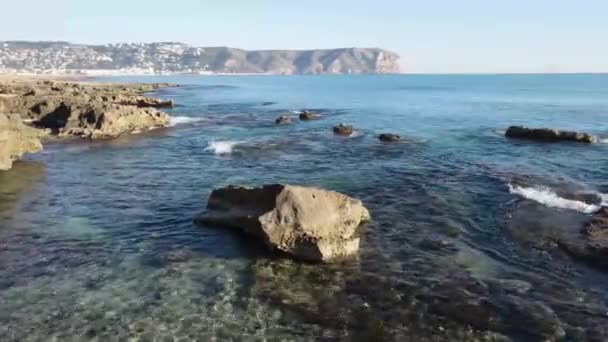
x,y
283,120
16,139
389,137
87,110
548,135
343,129
307,115
307,223
99,121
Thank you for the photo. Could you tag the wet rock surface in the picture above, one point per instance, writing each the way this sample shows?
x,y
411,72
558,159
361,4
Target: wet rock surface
x,y
494,310
141,101
343,129
16,139
307,223
590,245
454,306
583,238
87,110
307,115
389,137
548,135
283,120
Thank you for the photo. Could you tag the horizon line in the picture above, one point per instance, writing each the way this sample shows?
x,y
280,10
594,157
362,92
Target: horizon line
x,y
399,56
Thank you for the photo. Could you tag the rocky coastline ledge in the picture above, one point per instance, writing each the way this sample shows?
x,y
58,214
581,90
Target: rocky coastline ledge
x,y
31,109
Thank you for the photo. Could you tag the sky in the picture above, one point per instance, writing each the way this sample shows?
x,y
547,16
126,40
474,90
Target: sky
x,y
432,36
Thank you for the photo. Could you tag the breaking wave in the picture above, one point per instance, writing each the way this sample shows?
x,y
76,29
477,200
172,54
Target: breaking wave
x,y
546,196
184,120
221,147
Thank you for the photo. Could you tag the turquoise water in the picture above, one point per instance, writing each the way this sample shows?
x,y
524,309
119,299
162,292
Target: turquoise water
x,y
97,240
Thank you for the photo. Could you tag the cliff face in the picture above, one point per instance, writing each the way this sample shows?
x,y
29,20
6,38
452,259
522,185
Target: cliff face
x,y
160,58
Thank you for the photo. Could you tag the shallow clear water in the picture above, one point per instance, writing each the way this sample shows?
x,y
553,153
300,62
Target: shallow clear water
x,y
97,240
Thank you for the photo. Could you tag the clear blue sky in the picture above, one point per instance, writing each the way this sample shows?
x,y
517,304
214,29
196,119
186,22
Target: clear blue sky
x,y
430,35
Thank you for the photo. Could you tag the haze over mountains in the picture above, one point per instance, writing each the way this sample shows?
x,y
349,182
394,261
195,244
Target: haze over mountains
x,y
179,58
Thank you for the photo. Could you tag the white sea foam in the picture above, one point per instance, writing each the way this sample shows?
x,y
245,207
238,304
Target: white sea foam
x,y
604,140
221,147
604,198
549,198
184,120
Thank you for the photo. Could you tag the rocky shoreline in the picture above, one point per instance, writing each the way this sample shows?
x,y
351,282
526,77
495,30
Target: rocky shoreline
x,y
66,108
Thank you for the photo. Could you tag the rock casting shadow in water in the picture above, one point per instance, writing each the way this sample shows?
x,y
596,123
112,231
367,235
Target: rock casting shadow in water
x,y
241,245
309,223
224,243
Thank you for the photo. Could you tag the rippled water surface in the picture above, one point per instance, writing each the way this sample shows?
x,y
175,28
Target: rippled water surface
x,y
97,240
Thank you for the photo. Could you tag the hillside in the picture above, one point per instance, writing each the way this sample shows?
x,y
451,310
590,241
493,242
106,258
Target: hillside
x,y
172,58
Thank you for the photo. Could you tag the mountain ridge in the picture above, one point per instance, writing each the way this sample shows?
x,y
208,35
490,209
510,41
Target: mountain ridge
x,y
179,58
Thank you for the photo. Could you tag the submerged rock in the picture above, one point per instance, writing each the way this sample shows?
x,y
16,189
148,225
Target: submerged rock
x,y
549,135
582,238
343,129
307,223
486,308
308,116
283,120
591,245
16,139
389,137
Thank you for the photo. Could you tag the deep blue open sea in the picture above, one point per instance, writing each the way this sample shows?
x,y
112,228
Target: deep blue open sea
x,y
97,240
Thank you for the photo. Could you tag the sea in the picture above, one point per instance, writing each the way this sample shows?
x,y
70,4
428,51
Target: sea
x,y
98,243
